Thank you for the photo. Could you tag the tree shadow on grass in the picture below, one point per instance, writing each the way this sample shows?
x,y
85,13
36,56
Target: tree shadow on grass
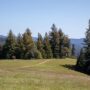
x,y
74,68
68,66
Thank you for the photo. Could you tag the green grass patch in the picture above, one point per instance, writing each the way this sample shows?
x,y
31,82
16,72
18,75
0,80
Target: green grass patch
x,y
50,74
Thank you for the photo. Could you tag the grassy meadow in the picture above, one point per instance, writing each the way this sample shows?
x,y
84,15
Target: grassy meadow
x,y
42,75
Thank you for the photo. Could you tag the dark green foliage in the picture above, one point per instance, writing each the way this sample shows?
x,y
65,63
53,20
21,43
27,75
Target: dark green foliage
x,y
29,49
10,46
19,47
27,40
40,45
1,51
61,35
47,47
54,41
66,47
34,53
60,43
83,61
73,50
54,45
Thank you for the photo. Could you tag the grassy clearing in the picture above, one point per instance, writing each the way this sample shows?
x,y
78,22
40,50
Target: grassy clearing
x,y
41,75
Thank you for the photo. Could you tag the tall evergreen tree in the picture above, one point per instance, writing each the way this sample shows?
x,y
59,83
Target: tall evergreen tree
x,y
19,47
28,44
73,50
54,41
47,47
40,45
83,61
29,48
61,36
60,43
66,46
10,46
87,42
1,51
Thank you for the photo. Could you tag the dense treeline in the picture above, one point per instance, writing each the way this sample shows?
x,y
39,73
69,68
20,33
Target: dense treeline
x,y
54,44
83,62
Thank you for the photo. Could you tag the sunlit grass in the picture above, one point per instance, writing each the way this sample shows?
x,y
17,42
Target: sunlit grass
x,y
35,75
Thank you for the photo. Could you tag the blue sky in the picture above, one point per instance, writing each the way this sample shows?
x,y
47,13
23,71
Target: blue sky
x,y
70,15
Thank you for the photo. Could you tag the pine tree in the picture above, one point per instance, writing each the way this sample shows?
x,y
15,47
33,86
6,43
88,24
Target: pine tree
x,y
10,46
28,45
40,45
54,41
87,42
61,36
73,50
60,43
83,62
19,47
87,50
1,51
81,59
29,49
66,47
47,47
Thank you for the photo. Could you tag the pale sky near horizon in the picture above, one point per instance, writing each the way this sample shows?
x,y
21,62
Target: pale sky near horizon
x,y
70,15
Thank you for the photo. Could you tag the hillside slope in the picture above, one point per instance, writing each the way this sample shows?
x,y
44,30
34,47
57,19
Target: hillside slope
x,y
42,75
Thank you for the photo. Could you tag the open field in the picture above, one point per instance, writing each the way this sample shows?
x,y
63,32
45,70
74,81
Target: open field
x,y
42,75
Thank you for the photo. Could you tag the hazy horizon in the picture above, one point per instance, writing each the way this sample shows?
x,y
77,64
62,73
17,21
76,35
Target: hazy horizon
x,y
70,15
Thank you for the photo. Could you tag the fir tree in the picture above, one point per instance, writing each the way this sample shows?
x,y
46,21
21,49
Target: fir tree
x,y
83,62
29,49
10,46
28,45
66,46
1,51
73,50
60,43
87,42
40,45
47,47
54,41
61,35
19,47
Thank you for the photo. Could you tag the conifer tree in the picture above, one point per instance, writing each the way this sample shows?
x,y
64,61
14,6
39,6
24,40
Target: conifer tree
x,y
61,36
60,43
10,46
81,59
19,47
47,47
40,45
87,42
83,62
28,45
66,46
73,50
1,51
54,41
29,48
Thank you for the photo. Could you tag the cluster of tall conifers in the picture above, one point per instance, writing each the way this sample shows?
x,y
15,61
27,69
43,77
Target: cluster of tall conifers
x,y
54,44
83,62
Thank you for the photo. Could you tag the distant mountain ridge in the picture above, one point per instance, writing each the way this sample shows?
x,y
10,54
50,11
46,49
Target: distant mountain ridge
x,y
77,41
78,45
2,39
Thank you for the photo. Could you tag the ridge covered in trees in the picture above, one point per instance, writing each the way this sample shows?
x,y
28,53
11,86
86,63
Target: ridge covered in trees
x,y
54,44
